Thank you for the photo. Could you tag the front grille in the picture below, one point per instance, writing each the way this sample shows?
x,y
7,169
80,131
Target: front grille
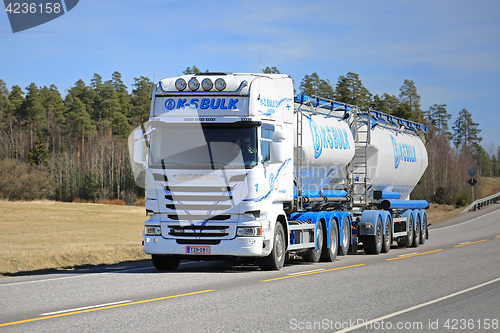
x,y
198,202
198,241
199,231
198,197
195,189
179,206
198,217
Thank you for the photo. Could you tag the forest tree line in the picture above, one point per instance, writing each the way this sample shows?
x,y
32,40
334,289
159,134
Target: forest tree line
x,y
75,147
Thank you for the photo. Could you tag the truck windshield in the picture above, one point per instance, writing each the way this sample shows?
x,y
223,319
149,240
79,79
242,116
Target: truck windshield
x,y
194,146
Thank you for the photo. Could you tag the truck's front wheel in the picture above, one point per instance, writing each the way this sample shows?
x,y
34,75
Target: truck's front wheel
x,y
165,262
275,260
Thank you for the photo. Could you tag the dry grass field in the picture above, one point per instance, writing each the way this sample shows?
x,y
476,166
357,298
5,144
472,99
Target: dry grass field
x,y
41,235
38,235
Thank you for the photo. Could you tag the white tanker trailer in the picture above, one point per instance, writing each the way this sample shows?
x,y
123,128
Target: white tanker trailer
x,y
235,166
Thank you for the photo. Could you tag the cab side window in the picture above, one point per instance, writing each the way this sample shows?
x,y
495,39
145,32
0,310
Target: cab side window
x,y
266,139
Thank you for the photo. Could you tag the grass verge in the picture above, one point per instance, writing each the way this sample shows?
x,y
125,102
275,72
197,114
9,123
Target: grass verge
x,y
41,235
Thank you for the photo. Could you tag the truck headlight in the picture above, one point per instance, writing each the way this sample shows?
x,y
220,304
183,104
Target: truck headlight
x,y
152,231
249,232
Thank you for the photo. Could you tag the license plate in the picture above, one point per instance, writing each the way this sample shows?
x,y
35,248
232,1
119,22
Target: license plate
x,y
198,249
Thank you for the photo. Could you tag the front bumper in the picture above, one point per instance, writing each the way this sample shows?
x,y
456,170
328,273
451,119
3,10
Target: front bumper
x,y
237,247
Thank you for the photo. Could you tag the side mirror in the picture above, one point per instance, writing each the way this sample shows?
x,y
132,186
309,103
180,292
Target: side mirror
x,y
277,152
139,151
278,135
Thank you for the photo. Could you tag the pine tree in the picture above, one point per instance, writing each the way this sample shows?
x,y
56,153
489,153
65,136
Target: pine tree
x,y
438,117
387,103
79,123
32,110
349,89
97,111
112,111
409,96
312,85
271,70
40,154
87,95
122,93
190,70
4,99
141,100
466,131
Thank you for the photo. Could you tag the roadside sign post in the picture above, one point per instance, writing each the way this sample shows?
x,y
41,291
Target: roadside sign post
x,y
472,181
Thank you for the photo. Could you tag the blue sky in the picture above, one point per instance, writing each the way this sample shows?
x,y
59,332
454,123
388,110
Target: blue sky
x,y
450,48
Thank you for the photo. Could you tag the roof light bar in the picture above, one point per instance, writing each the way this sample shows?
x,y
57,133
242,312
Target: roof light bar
x,y
180,84
207,84
194,84
220,84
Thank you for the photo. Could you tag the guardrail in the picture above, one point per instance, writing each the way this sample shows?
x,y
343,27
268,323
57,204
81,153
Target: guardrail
x,y
482,202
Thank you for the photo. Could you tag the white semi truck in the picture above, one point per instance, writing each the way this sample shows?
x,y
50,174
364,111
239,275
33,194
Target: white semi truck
x,y
235,165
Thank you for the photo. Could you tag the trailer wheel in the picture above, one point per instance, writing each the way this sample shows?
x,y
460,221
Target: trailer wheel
x,y
386,245
165,262
407,240
416,233
423,231
346,237
313,255
373,244
330,252
275,260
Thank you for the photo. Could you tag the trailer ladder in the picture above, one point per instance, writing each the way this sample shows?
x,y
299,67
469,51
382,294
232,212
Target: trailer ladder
x,y
359,162
298,164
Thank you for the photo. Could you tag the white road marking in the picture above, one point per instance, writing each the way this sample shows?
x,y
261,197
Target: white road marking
x,y
408,254
455,225
75,276
355,327
464,243
84,308
314,270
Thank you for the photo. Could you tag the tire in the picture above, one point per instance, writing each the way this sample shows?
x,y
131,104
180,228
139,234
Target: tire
x,y
346,237
386,245
408,239
373,244
423,231
416,233
166,262
313,255
275,260
330,252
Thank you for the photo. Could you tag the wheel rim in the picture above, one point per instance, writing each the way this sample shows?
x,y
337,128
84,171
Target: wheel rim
x,y
319,239
387,234
333,241
344,234
379,233
410,233
419,227
279,245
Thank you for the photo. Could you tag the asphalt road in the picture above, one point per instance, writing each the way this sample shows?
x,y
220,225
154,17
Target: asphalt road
x,y
451,283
